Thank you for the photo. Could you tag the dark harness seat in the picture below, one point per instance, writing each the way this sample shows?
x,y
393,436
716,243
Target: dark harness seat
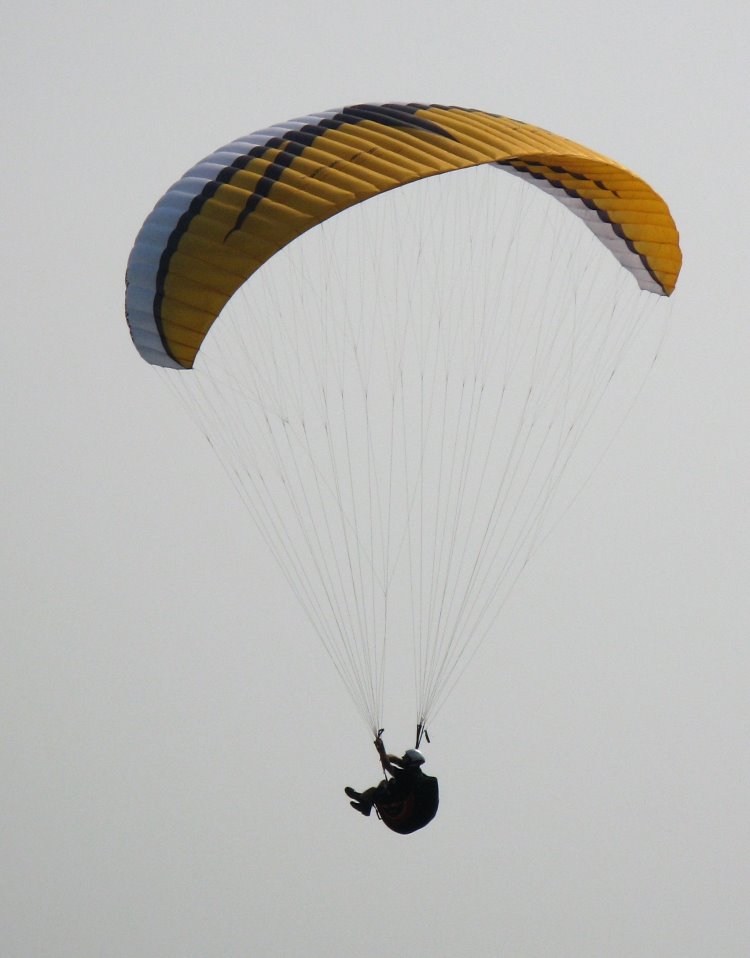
x,y
408,801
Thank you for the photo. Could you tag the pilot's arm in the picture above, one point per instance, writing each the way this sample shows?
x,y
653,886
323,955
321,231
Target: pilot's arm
x,y
390,762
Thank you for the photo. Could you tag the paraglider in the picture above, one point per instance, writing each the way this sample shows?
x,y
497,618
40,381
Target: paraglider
x,y
406,802
398,388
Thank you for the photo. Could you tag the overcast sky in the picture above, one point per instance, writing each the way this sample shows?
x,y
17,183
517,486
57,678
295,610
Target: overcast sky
x,y
174,741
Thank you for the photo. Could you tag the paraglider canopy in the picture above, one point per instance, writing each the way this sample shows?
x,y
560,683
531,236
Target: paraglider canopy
x,y
232,211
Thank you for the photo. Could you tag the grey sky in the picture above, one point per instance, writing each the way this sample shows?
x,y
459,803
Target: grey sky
x,y
175,744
